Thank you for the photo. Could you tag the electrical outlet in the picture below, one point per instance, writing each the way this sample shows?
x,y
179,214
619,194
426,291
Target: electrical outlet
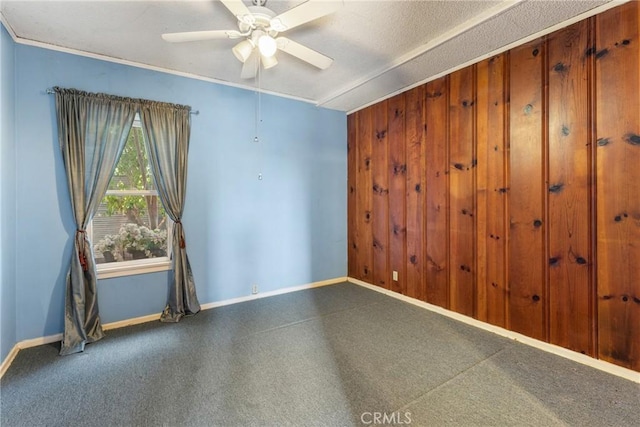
x,y
254,289
395,276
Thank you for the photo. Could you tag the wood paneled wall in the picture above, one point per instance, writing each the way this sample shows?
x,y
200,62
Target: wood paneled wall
x,y
509,190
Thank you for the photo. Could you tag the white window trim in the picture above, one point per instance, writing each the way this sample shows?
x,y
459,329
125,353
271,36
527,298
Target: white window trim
x,y
130,268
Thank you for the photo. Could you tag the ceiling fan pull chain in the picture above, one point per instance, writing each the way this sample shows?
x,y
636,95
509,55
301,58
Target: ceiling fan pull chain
x,y
259,115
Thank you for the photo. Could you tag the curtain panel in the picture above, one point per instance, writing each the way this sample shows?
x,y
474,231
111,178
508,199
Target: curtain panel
x,y
167,129
92,131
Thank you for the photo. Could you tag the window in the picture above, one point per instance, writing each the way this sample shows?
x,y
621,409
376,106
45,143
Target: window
x,y
131,231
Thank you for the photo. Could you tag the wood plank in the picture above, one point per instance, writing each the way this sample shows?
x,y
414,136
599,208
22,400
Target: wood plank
x,y
491,190
352,245
617,54
397,172
363,194
462,166
569,203
414,132
437,188
527,193
380,196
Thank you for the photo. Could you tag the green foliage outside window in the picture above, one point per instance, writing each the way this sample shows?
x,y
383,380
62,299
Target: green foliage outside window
x,y
133,172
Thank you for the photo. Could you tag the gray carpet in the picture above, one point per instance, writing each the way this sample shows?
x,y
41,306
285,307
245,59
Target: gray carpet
x,y
330,356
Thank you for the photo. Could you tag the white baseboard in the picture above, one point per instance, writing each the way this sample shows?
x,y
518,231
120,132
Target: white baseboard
x,y
273,293
550,348
9,359
131,322
34,342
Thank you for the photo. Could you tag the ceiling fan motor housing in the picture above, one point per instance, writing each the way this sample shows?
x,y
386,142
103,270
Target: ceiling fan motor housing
x,y
260,19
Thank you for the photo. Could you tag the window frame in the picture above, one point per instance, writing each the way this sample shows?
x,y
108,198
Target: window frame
x,y
138,266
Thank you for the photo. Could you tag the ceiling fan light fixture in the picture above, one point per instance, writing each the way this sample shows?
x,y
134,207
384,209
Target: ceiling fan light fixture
x,y
267,45
268,61
243,50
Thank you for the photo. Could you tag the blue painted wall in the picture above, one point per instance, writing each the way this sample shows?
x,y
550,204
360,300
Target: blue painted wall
x,y
7,195
285,230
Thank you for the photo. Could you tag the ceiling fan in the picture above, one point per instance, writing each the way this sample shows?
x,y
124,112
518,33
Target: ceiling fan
x,y
259,28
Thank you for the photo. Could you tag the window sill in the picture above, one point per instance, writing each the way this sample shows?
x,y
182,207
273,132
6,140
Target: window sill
x,y
129,268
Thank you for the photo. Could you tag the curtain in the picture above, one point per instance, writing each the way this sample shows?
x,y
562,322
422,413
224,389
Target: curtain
x,y
167,128
92,131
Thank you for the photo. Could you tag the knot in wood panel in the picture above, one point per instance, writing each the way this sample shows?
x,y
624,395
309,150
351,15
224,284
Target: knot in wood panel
x,y
560,68
556,188
619,217
377,189
399,169
397,229
632,138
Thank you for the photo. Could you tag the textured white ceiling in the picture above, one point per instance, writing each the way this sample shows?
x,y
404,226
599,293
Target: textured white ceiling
x,y
378,47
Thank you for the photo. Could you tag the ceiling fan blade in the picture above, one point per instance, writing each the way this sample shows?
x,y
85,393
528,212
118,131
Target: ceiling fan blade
x,y
193,36
304,13
239,9
304,53
250,67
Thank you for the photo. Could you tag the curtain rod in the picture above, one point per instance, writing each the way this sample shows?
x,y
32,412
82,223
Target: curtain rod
x,y
50,91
